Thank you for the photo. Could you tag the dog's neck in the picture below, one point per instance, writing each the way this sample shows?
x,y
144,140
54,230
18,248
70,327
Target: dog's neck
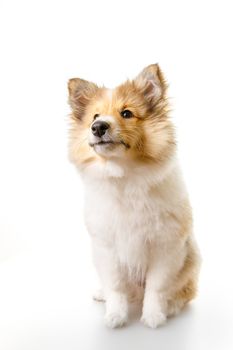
x,y
118,170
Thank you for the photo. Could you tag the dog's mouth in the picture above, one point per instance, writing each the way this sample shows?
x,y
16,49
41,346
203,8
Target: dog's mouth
x,y
109,142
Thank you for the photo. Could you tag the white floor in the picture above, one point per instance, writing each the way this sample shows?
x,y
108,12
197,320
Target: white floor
x,y
47,305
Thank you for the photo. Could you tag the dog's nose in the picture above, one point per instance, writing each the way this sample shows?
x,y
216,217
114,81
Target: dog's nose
x,y
99,128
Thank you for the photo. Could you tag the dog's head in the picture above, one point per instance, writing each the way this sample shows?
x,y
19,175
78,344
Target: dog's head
x,y
128,122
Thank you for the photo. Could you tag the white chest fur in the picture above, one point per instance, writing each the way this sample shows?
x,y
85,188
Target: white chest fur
x,y
132,214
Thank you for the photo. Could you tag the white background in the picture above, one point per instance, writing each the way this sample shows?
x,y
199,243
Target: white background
x,y
46,274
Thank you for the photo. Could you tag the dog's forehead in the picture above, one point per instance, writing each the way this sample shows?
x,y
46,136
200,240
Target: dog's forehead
x,y
106,101
112,101
109,94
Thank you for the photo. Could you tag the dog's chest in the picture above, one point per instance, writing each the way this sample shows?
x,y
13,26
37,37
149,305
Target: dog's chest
x,y
124,217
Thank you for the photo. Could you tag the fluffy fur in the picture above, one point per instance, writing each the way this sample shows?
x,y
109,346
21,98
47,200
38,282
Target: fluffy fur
x,y
136,210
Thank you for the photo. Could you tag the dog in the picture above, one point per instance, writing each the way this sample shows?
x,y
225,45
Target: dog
x,y
137,210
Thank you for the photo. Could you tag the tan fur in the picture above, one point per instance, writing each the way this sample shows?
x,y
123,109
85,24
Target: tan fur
x,y
150,133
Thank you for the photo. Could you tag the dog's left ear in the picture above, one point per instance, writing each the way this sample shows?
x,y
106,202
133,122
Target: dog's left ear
x,y
151,83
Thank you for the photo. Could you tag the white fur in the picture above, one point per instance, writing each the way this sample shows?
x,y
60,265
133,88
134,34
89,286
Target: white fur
x,y
134,238
109,93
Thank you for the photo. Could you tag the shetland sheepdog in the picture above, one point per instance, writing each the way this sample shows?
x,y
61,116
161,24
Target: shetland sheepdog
x,y
137,210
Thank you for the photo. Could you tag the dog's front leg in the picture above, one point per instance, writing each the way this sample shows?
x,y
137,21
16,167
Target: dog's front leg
x,y
162,271
113,282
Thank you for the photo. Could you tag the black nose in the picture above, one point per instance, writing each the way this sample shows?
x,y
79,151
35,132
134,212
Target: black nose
x,y
99,128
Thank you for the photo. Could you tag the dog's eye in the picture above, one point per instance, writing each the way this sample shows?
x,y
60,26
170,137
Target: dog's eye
x,y
96,116
126,114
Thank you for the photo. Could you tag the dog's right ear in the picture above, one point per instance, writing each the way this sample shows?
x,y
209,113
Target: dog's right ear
x,y
80,93
151,83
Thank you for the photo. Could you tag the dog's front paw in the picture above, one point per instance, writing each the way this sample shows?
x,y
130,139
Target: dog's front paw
x,y
115,320
153,320
98,295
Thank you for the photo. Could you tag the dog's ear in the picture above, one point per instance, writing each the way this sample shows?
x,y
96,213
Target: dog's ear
x,y
151,83
80,93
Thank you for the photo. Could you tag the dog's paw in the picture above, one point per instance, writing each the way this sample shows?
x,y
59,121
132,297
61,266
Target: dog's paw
x,y
153,320
98,295
115,320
